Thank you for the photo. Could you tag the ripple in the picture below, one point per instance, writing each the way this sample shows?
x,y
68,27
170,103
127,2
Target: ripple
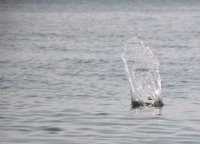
x,y
52,130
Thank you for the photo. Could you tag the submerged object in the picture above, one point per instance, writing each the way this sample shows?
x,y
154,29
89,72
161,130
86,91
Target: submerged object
x,y
142,71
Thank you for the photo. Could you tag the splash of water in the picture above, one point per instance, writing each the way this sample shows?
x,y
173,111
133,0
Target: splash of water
x,y
142,71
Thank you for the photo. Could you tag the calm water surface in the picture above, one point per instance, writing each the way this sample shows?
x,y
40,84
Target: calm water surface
x,y
62,79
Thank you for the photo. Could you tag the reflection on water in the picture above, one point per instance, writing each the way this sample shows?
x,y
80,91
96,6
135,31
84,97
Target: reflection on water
x,y
144,114
144,123
146,111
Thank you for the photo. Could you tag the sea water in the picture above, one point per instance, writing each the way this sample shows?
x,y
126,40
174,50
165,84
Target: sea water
x,y
62,79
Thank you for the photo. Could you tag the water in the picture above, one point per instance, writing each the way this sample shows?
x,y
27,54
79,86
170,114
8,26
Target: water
x,y
142,70
63,81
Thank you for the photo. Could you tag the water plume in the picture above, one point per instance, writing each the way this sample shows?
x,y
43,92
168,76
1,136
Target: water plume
x,y
142,71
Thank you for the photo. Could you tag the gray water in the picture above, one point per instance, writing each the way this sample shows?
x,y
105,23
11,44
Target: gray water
x,y
63,81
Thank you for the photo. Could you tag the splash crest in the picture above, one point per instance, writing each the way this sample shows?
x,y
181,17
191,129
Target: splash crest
x,y
142,71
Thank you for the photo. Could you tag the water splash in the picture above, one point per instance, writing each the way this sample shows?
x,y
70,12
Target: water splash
x,y
142,71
